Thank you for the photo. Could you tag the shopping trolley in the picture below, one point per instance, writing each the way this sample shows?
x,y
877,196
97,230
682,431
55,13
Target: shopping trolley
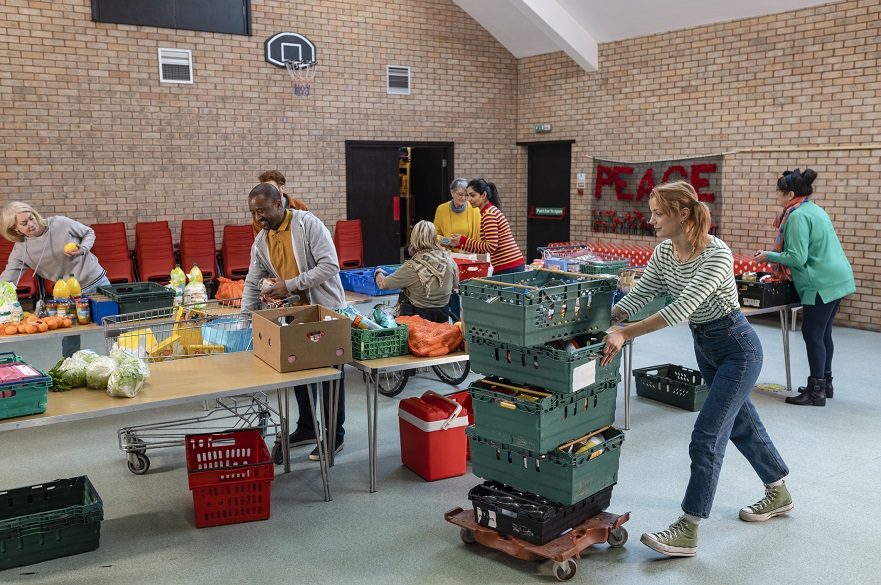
x,y
187,331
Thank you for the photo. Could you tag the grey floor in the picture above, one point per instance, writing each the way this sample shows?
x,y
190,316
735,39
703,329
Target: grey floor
x,y
398,535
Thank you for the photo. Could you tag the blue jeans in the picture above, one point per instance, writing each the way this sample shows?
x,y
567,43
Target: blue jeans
x,y
729,356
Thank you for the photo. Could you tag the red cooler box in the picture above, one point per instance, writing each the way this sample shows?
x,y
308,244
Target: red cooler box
x,y
433,441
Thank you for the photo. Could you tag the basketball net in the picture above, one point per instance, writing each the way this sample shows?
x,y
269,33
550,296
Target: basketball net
x,y
302,73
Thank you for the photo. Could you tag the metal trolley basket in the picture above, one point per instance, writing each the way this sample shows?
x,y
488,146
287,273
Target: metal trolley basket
x,y
187,331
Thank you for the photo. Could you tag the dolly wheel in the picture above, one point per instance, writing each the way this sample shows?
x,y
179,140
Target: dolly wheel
x,y
467,536
565,570
140,465
617,536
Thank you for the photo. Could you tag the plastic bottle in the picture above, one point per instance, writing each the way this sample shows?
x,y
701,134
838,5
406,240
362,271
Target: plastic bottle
x,y
383,316
178,278
195,274
60,290
73,287
359,321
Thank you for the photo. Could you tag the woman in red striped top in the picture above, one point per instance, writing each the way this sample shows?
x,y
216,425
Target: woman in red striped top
x,y
496,238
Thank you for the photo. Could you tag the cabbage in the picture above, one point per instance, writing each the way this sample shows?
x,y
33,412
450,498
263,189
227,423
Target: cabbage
x,y
86,355
98,372
73,371
126,380
121,356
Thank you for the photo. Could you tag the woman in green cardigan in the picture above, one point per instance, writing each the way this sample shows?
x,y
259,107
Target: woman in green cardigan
x,y
808,253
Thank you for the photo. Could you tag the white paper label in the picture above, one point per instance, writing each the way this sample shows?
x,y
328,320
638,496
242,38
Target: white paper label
x,y
584,375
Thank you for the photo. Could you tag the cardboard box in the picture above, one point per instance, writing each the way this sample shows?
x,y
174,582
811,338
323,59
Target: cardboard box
x,y
307,341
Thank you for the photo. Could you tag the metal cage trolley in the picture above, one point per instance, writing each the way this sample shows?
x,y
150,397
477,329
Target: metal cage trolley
x,y
183,332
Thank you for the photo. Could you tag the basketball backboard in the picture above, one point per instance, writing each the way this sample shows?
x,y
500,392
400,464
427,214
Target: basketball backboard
x,y
288,46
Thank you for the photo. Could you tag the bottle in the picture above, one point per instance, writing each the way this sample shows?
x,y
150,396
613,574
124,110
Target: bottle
x,y
359,321
83,314
178,278
60,290
383,316
195,274
73,287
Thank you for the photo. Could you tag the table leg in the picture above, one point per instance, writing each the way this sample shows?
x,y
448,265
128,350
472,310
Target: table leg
x,y
322,440
333,410
284,439
372,420
784,325
628,374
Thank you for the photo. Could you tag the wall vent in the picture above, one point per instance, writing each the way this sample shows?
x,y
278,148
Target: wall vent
x,y
397,79
175,66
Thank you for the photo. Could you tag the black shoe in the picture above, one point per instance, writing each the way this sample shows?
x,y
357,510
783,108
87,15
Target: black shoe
x,y
313,456
814,394
299,438
829,389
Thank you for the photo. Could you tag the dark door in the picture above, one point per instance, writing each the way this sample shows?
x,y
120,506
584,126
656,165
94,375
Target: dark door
x,y
373,185
429,181
547,185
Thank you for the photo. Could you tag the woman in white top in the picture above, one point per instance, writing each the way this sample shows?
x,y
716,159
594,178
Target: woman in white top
x,y
698,271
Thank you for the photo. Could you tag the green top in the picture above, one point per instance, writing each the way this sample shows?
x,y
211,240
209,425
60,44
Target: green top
x,y
813,253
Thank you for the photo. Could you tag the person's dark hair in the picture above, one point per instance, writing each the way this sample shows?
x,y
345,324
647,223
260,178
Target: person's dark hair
x,y
267,190
797,182
272,176
484,186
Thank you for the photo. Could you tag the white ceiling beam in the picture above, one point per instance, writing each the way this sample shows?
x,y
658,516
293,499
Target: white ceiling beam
x,y
565,31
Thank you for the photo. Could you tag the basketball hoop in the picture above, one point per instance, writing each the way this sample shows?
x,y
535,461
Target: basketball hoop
x,y
302,73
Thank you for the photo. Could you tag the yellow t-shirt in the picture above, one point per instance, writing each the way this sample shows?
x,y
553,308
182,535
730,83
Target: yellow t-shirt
x,y
281,253
466,223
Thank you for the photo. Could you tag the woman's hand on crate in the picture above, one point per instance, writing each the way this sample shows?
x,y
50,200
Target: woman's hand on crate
x,y
614,341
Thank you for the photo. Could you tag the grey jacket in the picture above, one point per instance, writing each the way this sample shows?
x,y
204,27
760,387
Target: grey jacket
x,y
316,258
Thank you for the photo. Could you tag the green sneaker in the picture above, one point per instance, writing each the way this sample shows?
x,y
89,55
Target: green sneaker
x,y
777,501
680,540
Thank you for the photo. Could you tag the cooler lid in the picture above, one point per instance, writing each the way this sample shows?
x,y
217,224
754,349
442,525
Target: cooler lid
x,y
432,407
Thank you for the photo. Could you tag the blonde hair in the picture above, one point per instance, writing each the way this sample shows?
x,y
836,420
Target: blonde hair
x,y
423,237
672,198
10,223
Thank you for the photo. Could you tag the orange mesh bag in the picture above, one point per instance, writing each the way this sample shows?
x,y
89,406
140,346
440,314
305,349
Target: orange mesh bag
x,y
230,289
430,339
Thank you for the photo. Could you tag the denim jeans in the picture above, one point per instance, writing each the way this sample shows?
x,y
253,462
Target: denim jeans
x,y
729,356
304,422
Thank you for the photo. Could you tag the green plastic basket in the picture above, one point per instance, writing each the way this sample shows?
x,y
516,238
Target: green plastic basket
x,y
30,396
135,297
48,521
536,306
672,384
555,370
539,425
560,477
606,265
371,344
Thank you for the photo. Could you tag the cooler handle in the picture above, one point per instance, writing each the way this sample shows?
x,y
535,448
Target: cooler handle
x,y
453,416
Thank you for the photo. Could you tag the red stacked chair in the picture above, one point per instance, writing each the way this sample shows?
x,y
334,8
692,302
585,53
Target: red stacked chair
x,y
111,249
154,251
235,250
197,247
27,284
349,244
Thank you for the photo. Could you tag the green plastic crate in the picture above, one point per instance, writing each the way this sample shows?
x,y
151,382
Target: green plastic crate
x,y
536,306
650,308
30,396
555,370
607,264
560,477
672,384
135,297
48,521
370,344
543,424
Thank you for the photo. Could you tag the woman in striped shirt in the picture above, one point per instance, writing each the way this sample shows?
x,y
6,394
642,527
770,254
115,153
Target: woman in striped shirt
x,y
496,238
698,271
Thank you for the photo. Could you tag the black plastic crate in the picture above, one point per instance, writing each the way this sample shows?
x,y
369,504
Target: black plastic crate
x,y
672,384
765,294
135,297
48,521
531,517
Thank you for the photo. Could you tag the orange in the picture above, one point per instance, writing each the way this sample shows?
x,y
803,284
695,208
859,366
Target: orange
x,y
10,330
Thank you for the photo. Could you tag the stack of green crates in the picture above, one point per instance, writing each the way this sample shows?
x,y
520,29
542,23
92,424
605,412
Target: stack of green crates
x,y
537,336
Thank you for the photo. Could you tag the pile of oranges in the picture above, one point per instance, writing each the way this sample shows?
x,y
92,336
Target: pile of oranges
x,y
34,324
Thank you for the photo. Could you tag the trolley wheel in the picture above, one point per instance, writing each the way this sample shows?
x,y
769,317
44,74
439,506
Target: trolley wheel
x,y
454,373
135,445
141,464
467,536
277,455
565,570
392,383
617,537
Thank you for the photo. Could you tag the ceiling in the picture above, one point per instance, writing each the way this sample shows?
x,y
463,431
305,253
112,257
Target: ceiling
x,y
536,27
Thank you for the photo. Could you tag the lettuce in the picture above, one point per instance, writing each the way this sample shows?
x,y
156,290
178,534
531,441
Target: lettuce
x,y
126,380
98,372
86,355
73,371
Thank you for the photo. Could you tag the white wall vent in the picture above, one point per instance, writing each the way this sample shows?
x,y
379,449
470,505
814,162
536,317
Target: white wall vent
x,y
397,79
175,66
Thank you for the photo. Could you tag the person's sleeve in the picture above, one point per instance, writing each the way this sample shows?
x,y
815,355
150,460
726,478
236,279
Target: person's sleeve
x,y
489,242
320,243
15,267
438,222
83,234
796,239
455,268
712,272
403,277
646,288
475,224
251,292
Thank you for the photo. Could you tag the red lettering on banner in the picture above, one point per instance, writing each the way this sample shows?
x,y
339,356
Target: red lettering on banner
x,y
621,183
604,177
699,182
674,169
646,184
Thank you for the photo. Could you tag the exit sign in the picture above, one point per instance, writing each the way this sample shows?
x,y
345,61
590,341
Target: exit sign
x,y
542,127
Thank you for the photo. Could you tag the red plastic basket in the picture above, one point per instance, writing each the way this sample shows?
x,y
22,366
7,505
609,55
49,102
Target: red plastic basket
x,y
471,268
230,475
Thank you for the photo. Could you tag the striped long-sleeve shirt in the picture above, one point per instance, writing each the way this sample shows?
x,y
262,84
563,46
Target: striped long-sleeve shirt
x,y
703,289
496,240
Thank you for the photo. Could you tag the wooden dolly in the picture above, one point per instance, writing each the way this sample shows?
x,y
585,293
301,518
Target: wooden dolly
x,y
563,550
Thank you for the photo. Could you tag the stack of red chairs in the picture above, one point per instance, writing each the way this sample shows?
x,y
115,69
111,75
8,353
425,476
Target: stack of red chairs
x,y
111,249
235,250
349,244
197,247
27,284
154,251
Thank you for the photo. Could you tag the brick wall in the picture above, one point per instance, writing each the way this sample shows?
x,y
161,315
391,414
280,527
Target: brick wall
x,y
804,86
